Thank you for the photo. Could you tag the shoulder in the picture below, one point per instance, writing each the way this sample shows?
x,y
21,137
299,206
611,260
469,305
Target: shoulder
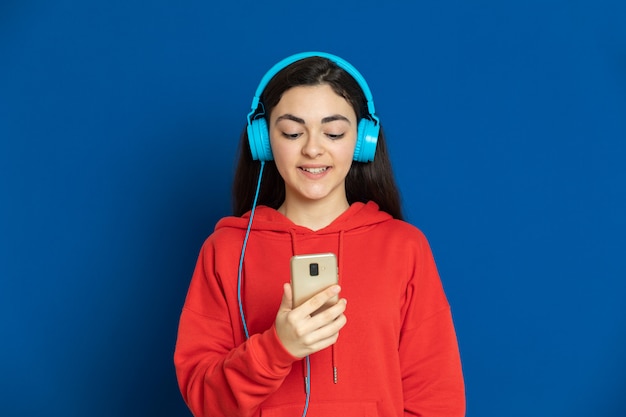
x,y
224,235
380,224
403,230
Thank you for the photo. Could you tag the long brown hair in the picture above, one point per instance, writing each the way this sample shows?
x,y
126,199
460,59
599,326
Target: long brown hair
x,y
365,181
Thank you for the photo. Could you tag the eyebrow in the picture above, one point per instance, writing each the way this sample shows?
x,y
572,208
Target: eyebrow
x,y
328,119
335,117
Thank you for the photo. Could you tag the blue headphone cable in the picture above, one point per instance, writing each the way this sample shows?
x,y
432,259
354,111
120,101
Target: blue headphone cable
x,y
307,381
307,385
243,251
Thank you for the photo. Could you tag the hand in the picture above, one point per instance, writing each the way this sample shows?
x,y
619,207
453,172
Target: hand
x,y
303,334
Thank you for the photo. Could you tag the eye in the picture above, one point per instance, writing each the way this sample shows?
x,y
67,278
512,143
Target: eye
x,y
291,135
335,136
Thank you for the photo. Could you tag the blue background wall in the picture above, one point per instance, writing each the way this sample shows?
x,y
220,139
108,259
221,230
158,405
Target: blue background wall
x,y
119,123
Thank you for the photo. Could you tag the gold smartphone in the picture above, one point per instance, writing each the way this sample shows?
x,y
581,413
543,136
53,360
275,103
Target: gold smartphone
x,y
311,274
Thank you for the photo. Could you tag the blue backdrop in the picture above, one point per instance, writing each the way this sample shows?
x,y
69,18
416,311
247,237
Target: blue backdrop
x,y
119,123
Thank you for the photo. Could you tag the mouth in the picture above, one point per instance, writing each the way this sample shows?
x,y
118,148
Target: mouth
x,y
317,170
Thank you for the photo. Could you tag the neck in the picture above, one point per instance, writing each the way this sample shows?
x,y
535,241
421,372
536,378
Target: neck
x,y
314,215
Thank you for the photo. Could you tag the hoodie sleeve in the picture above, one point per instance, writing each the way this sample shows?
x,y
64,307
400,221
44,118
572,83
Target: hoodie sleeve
x,y
431,367
218,376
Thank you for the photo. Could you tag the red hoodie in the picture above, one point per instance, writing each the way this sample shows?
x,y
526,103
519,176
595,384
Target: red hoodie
x,y
396,356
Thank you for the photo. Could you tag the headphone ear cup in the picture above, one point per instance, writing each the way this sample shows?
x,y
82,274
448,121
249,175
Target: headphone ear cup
x,y
367,137
259,140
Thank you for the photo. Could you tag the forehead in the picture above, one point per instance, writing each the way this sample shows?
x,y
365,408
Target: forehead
x,y
313,100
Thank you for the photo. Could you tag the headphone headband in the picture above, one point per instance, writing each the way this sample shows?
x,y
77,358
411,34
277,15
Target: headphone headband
x,y
342,63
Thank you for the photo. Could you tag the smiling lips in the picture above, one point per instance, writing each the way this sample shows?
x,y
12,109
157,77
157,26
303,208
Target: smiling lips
x,y
317,170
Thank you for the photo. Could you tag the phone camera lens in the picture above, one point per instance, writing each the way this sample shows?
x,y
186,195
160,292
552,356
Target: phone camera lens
x,y
314,269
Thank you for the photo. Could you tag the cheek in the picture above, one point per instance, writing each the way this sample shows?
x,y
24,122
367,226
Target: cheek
x,y
282,154
348,150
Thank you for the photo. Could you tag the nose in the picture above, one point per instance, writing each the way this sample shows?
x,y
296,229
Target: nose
x,y
313,145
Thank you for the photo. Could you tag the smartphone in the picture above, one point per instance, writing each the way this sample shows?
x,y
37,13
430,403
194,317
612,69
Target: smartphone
x,y
311,274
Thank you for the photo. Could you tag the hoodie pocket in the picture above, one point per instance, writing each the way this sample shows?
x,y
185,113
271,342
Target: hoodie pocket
x,y
343,409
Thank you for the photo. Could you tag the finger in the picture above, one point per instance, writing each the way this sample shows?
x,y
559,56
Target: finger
x,y
326,335
325,323
328,317
318,300
331,313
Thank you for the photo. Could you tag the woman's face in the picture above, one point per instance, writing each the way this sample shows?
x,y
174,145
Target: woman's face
x,y
313,133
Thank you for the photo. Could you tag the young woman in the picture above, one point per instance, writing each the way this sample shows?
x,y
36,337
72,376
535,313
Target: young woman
x,y
387,347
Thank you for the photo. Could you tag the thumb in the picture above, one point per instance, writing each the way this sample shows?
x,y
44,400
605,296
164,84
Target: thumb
x,y
286,303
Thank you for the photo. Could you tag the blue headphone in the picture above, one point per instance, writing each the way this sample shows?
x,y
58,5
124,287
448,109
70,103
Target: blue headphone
x,y
367,129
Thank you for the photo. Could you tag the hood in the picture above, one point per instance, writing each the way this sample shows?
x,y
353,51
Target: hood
x,y
357,216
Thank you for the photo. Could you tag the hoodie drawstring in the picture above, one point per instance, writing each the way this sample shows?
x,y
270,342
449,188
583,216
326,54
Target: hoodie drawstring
x,y
339,271
335,367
